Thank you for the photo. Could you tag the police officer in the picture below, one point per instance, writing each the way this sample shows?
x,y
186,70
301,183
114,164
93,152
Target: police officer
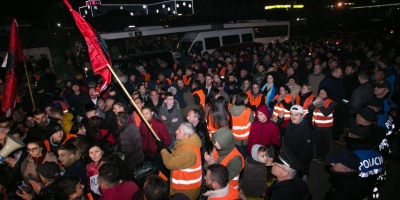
x,y
289,186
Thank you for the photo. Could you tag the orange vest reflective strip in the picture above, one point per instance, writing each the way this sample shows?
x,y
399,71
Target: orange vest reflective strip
x,y
89,195
306,104
186,80
211,128
137,119
201,95
233,194
68,136
254,101
279,107
190,178
241,125
235,181
320,119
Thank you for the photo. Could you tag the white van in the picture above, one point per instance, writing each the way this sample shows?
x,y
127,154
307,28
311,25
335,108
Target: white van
x,y
202,41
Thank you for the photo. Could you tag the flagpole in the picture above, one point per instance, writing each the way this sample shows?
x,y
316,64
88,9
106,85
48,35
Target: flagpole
x,y
29,85
133,103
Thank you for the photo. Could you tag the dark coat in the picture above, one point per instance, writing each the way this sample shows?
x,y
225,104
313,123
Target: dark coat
x,y
174,112
335,87
111,122
293,189
361,96
77,169
300,139
78,101
129,143
254,181
346,186
202,132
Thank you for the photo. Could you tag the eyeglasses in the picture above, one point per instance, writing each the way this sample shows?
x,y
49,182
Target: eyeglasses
x,y
32,150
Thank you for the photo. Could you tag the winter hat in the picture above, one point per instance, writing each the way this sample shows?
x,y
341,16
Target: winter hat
x,y
49,170
254,151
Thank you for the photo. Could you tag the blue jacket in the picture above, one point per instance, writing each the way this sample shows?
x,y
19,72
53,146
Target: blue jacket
x,y
371,162
77,169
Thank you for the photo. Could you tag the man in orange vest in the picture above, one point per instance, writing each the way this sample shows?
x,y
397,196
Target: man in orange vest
x,y
226,154
217,182
56,137
198,94
184,161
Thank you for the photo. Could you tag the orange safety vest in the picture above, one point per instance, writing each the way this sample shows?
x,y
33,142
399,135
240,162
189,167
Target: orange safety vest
x,y
254,101
279,107
137,119
235,181
146,77
68,136
320,119
211,128
201,95
241,125
306,104
189,178
166,79
221,72
233,194
186,80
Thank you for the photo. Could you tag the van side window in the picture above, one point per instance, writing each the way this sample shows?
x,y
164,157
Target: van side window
x,y
230,39
212,43
248,37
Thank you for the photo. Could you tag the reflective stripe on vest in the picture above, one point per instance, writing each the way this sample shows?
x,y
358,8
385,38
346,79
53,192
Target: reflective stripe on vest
x,y
279,107
306,103
254,101
189,178
241,125
320,119
201,95
235,181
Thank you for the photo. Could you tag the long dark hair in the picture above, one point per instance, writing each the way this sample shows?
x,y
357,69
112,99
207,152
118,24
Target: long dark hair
x,y
95,124
219,114
211,96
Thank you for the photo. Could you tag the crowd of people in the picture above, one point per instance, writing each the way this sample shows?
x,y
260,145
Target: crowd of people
x,y
245,125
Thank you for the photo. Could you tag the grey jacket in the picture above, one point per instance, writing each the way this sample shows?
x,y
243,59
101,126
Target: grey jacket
x,y
175,112
129,142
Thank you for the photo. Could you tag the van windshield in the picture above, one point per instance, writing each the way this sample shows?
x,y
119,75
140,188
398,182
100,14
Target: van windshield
x,y
182,46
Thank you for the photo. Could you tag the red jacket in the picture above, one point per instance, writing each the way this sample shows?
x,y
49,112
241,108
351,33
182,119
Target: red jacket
x,y
110,137
149,141
266,133
124,190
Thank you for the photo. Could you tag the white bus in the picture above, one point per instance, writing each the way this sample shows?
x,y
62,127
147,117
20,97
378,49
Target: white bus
x,y
261,31
143,39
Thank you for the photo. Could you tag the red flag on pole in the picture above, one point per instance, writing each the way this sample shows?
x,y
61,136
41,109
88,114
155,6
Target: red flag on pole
x,y
14,56
97,47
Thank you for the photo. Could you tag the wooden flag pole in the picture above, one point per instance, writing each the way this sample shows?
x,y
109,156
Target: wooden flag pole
x,y
133,103
29,85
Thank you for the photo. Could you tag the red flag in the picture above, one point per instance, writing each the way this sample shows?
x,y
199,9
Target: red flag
x,y
97,48
14,56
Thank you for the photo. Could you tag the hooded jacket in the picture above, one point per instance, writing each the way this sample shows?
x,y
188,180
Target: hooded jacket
x,y
66,122
254,175
266,133
183,158
225,139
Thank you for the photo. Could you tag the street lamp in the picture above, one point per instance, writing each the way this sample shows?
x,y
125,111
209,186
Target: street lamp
x,y
58,24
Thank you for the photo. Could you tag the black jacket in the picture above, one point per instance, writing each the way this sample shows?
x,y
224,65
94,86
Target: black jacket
x,y
361,96
294,189
346,186
202,132
300,139
111,122
129,143
48,193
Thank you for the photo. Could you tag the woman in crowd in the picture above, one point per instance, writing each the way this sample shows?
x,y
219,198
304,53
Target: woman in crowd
x,y
218,116
263,131
37,156
256,98
268,89
322,120
212,96
293,86
282,103
304,98
242,117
